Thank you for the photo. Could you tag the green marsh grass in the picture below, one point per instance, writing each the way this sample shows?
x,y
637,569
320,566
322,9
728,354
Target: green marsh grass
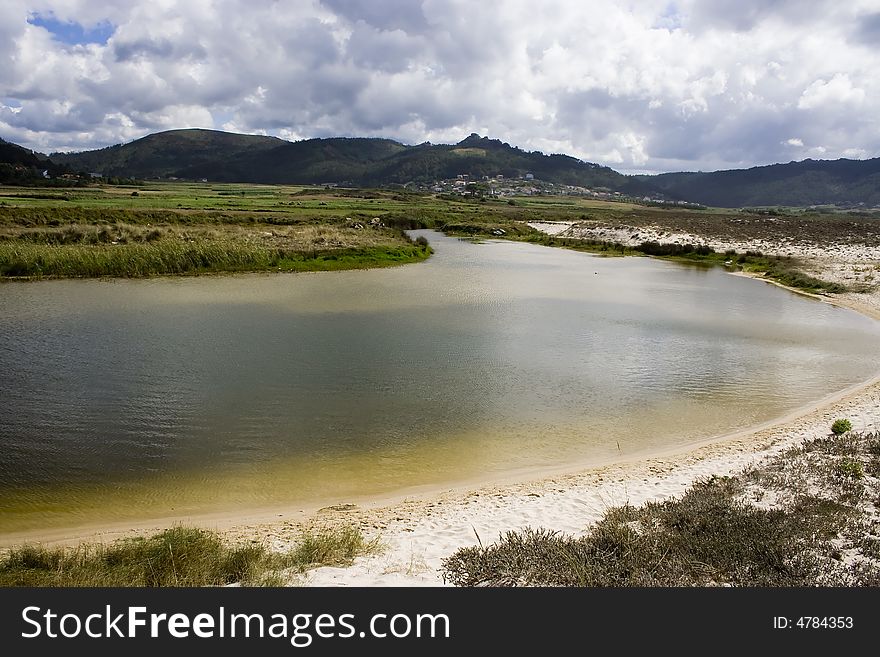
x,y
180,556
231,207
131,250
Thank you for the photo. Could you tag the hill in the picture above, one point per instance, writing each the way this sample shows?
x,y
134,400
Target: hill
x,y
14,154
311,161
19,165
480,156
809,182
196,154
166,154
226,157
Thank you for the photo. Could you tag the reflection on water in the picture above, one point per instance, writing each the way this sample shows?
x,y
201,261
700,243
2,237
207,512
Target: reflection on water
x,y
132,399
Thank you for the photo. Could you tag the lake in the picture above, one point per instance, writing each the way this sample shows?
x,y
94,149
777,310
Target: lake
x,y
133,399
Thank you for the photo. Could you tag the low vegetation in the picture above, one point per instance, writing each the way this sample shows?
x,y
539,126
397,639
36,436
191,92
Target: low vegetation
x,y
331,547
137,250
180,556
805,518
184,228
782,269
787,272
840,426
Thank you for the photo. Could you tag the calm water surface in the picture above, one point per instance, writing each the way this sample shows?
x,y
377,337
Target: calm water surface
x,y
127,400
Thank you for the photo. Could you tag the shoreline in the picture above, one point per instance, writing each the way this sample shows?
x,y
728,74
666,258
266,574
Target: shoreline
x,y
336,510
420,533
861,307
421,526
423,531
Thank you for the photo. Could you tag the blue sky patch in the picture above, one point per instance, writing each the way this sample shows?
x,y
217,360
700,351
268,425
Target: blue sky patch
x,y
670,19
71,32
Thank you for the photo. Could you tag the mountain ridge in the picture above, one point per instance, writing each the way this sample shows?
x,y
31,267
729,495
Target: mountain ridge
x,y
18,164
218,156
364,161
798,183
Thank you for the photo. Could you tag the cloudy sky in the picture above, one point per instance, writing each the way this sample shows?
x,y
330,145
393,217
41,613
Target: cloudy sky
x,y
638,86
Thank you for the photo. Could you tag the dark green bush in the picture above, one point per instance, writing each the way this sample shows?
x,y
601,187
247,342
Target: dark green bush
x,y
841,426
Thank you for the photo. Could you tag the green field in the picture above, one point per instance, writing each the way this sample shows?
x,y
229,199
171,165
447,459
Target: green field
x,y
162,228
187,228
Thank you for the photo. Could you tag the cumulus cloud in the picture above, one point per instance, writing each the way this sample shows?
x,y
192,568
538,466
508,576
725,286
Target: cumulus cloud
x,y
839,90
686,85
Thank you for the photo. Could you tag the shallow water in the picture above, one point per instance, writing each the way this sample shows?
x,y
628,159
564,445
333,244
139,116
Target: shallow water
x,y
127,400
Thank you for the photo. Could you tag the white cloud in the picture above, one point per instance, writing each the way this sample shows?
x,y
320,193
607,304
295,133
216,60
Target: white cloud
x,y
643,85
839,90
693,106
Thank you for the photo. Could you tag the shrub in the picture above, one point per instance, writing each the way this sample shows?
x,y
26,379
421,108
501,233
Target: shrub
x,y
850,469
841,426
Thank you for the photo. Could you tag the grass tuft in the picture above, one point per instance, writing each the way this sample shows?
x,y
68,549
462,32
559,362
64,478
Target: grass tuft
x,y
337,547
180,556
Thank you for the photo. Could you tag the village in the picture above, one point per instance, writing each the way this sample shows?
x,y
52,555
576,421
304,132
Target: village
x,y
500,186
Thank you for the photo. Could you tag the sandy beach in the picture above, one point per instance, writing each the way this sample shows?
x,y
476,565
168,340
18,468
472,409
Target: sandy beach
x,y
418,530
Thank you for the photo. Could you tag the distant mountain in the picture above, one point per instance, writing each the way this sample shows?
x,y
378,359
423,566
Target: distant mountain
x,y
20,165
480,156
195,154
311,161
810,182
14,154
227,157
166,154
